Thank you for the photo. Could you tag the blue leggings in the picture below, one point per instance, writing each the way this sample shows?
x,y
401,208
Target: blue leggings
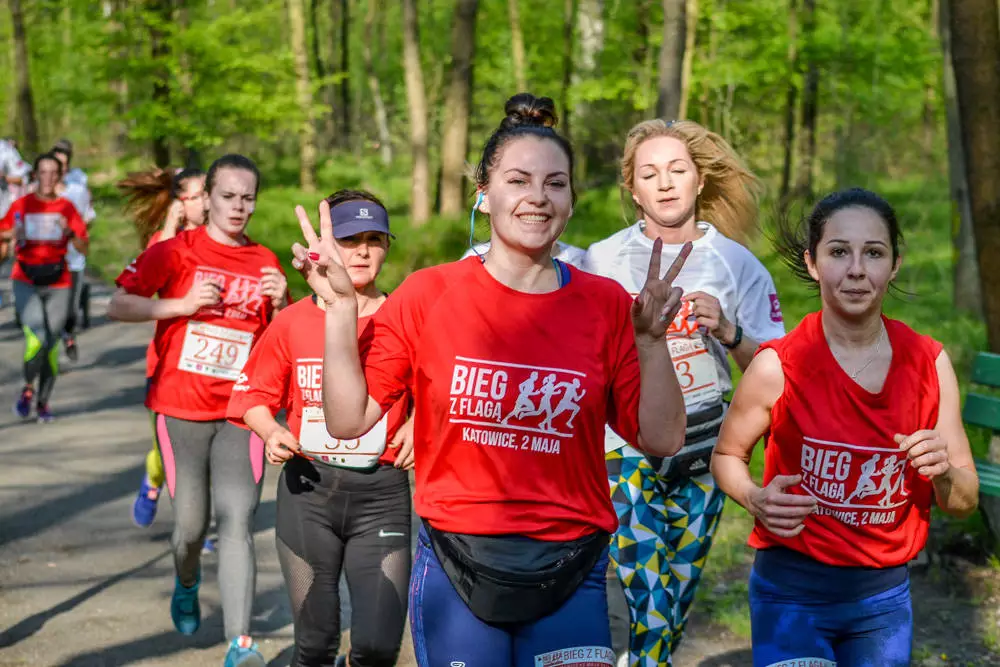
x,y
790,629
446,632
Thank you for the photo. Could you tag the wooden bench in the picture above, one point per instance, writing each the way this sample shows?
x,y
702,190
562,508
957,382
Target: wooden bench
x,y
984,411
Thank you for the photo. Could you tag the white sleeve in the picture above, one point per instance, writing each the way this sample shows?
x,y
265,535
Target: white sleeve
x,y
758,310
11,162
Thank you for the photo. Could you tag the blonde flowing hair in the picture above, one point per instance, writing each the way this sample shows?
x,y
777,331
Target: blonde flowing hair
x,y
730,199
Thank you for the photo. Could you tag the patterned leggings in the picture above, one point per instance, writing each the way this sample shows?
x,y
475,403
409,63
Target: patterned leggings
x,y
660,549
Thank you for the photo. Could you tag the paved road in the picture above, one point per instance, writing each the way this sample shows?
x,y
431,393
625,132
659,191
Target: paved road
x,y
80,585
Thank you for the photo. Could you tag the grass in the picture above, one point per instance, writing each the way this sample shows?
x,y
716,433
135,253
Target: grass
x,y
925,302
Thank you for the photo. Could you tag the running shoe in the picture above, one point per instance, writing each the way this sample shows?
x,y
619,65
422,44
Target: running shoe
x,y
23,406
210,545
185,611
243,653
45,415
144,507
72,351
341,661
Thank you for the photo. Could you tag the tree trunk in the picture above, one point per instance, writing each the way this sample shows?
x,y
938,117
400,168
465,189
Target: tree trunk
x,y
303,94
454,143
161,82
569,23
590,28
689,47
975,48
381,118
810,99
329,93
26,120
791,103
967,292
416,101
517,47
668,100
119,87
343,25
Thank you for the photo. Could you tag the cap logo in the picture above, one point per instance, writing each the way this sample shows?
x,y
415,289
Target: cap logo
x,y
363,214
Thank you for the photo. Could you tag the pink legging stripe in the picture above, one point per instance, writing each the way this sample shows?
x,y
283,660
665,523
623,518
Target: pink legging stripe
x,y
166,453
256,456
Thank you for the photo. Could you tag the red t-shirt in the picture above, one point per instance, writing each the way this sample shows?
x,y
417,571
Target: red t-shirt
x,y
285,372
198,358
512,393
874,509
151,349
41,238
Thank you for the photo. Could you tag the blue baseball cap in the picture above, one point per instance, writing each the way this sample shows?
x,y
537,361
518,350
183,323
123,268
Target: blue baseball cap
x,y
357,217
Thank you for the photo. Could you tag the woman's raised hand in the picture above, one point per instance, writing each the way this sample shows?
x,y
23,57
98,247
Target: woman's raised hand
x,y
319,260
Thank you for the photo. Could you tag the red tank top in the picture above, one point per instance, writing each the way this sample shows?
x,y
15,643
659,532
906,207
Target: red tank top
x,y
874,509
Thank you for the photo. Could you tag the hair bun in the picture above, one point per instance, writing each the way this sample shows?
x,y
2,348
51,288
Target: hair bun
x,y
526,109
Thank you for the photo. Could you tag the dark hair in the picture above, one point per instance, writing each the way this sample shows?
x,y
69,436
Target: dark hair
x,y
148,195
343,196
47,156
527,115
232,161
792,238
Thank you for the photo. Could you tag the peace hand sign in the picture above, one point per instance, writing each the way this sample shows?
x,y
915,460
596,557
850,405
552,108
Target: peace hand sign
x,y
659,301
320,264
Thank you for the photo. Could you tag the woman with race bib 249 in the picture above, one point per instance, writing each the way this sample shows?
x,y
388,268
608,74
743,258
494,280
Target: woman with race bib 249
x,y
688,186
217,291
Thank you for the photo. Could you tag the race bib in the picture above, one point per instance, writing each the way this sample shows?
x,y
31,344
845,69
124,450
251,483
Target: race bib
x,y
363,452
43,227
695,369
218,352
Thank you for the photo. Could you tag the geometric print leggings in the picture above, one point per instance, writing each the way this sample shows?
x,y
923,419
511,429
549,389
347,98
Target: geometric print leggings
x,y
660,549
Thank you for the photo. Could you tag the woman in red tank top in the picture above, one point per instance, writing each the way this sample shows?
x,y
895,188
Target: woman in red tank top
x,y
863,433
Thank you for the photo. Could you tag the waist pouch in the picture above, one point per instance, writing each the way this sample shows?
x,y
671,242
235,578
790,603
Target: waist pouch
x,y
695,457
44,274
515,579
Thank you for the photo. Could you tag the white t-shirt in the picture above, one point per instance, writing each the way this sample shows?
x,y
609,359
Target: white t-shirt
x,y
718,266
76,191
564,252
11,164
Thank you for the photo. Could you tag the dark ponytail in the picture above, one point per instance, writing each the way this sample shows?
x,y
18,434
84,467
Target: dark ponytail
x,y
527,115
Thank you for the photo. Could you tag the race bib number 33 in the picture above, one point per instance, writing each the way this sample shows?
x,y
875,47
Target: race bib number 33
x,y
215,351
363,452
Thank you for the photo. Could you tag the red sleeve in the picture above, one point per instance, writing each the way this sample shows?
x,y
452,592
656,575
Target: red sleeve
x,y
264,380
623,403
154,239
74,221
149,272
387,355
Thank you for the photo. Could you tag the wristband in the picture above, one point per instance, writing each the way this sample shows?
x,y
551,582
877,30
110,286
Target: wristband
x,y
737,339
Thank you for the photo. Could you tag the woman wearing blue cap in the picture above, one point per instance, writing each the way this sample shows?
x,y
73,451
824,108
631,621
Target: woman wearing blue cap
x,y
342,505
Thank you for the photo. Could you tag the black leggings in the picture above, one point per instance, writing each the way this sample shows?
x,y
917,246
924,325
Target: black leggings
x,y
330,519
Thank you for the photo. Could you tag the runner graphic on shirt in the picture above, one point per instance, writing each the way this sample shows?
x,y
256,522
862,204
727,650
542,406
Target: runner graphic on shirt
x,y
866,483
889,485
568,403
547,391
524,404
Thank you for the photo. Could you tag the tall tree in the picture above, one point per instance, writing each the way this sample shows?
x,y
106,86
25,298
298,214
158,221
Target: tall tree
x,y
569,24
691,30
455,142
340,13
161,16
303,90
669,89
810,102
374,86
975,47
590,29
968,294
517,47
416,102
26,119
329,95
791,102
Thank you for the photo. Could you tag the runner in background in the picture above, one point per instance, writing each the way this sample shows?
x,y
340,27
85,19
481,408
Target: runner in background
x,y
687,186
13,176
74,188
162,204
342,506
217,291
42,226
512,555
864,433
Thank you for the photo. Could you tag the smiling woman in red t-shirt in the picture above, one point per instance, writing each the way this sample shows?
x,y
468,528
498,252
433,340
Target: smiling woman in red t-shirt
x,y
515,361
43,225
864,433
217,292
